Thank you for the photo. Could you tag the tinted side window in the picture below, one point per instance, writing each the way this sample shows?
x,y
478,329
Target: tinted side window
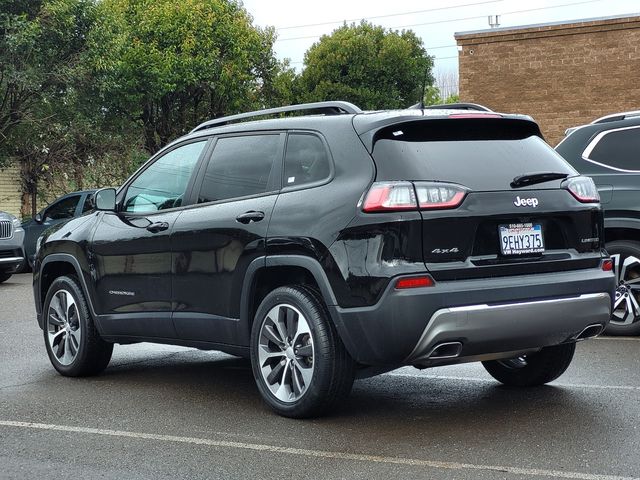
x,y
306,160
239,166
163,184
619,149
89,203
65,208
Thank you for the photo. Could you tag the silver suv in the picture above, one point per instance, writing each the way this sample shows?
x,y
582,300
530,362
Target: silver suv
x,y
11,240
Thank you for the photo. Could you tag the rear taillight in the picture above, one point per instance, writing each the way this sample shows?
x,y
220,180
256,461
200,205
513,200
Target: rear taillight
x,y
435,195
583,189
403,196
390,196
607,265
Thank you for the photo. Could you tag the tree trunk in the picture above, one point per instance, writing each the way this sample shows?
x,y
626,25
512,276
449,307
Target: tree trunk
x,y
34,200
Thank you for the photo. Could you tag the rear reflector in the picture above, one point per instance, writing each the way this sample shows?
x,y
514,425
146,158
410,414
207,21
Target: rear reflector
x,y
607,265
415,282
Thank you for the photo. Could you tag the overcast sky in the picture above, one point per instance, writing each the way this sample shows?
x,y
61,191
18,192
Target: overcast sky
x,y
434,20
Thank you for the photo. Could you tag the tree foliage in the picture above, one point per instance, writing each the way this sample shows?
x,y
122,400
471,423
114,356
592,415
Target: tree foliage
x,y
89,88
170,65
39,47
368,65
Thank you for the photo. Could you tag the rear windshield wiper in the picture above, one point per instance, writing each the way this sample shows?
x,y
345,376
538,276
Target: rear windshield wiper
x,y
536,177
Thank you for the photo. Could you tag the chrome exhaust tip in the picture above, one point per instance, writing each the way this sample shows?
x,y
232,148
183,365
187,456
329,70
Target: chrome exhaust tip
x,y
590,331
445,350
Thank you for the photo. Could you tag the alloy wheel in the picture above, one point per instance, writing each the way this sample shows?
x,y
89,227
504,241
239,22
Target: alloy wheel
x,y
63,327
285,353
626,306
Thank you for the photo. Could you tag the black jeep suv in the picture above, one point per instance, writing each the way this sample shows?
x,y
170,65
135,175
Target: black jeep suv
x,y
608,150
335,245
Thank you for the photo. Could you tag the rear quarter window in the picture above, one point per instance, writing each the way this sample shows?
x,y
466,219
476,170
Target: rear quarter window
x,y
306,160
618,149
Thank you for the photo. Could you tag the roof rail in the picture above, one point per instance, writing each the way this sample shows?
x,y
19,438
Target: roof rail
x,y
459,106
326,108
616,116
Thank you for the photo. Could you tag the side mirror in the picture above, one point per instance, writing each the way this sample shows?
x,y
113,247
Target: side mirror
x,y
105,199
38,218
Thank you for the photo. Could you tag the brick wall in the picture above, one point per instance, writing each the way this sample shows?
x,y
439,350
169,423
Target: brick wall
x,y
561,74
10,192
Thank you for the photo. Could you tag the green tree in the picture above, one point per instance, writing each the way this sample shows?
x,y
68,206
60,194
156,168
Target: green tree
x,y
43,125
367,65
432,96
169,65
39,46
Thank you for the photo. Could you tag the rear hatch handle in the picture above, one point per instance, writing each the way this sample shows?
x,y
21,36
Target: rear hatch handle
x,y
536,177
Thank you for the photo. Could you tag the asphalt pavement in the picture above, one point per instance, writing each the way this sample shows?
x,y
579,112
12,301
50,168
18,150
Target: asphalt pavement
x,y
163,412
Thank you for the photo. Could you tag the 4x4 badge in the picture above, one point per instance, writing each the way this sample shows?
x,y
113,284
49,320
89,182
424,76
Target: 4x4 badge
x,y
526,202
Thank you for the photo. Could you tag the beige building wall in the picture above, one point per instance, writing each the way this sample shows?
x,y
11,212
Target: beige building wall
x,y
10,191
563,74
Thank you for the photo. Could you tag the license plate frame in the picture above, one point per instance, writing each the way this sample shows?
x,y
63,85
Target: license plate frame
x,y
521,239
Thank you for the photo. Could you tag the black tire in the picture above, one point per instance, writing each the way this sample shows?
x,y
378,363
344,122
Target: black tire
x,y
620,251
5,276
536,369
333,369
92,355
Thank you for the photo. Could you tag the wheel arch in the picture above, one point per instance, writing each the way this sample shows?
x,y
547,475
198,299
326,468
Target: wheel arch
x,y
622,229
54,266
265,274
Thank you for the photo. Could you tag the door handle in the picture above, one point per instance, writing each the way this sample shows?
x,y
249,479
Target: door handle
x,y
250,216
158,227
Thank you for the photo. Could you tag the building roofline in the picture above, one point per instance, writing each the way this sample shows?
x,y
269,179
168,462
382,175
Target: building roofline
x,y
635,16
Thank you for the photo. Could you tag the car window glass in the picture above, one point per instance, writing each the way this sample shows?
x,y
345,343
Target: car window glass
x,y
62,209
619,149
239,166
88,203
163,184
306,160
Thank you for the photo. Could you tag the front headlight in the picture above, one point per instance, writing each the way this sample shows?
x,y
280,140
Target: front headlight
x,y
17,226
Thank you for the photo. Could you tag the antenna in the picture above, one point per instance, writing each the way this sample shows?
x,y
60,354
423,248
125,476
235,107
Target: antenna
x,y
494,21
420,104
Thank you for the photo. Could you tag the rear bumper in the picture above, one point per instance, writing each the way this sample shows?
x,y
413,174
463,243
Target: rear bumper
x,y
486,316
514,326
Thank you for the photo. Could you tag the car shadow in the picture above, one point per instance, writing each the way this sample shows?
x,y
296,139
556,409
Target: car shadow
x,y
387,404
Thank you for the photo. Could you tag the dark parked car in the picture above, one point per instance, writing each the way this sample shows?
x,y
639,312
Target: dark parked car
x,y
608,150
336,245
11,253
62,209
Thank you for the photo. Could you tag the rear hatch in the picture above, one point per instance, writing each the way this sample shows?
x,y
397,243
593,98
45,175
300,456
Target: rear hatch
x,y
495,199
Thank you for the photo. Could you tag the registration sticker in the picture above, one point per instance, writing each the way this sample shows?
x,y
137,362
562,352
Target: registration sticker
x,y
521,239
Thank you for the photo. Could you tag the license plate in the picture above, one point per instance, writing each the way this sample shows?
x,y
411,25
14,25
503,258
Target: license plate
x,y
521,239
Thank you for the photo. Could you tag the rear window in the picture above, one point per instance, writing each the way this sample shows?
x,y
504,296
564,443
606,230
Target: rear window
x,y
483,154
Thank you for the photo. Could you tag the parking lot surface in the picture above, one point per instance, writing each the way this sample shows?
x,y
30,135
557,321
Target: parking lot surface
x,y
169,412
